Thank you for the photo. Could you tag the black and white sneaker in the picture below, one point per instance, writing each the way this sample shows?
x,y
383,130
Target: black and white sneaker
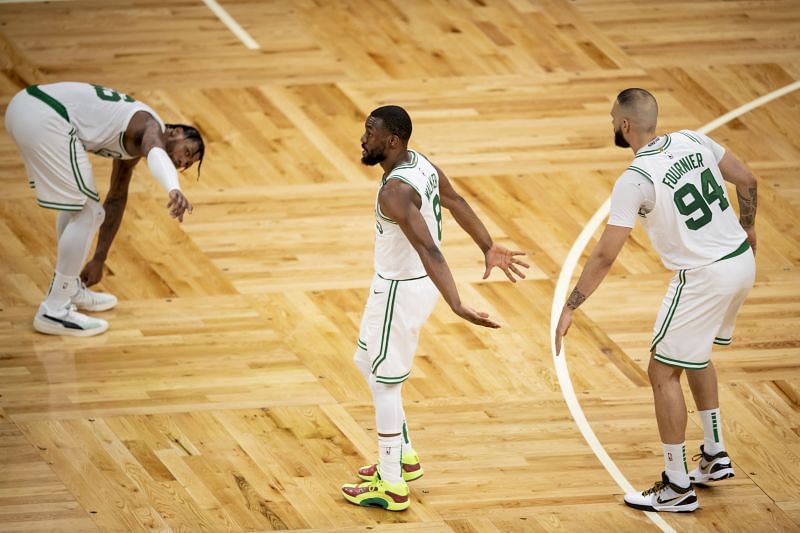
x,y
664,496
711,467
68,322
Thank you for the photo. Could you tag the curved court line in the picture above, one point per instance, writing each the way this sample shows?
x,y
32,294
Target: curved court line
x,y
560,296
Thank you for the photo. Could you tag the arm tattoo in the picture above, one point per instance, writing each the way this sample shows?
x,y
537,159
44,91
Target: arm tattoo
x,y
747,207
575,299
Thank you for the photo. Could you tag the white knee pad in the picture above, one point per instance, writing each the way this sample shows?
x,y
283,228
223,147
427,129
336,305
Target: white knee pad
x,y
388,406
97,212
75,234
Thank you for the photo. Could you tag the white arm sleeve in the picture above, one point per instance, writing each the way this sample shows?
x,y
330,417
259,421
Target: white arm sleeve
x,y
162,169
632,192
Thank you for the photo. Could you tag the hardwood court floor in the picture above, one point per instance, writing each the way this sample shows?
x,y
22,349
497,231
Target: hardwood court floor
x,y
223,397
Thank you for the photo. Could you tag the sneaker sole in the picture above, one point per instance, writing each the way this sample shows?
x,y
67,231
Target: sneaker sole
x,y
377,502
682,509
711,479
413,477
97,307
52,329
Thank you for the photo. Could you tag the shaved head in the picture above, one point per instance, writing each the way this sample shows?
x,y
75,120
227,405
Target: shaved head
x,y
640,108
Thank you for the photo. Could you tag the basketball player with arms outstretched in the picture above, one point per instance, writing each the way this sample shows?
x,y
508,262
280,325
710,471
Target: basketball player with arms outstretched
x,y
54,126
410,272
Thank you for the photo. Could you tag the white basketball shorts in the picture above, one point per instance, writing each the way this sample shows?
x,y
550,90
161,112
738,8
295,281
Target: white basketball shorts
x,y
390,326
699,310
55,160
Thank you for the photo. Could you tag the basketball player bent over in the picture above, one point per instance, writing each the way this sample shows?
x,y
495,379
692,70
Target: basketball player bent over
x,y
675,185
409,268
54,126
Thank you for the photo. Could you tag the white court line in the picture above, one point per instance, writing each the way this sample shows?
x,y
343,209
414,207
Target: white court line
x,y
560,296
218,10
232,25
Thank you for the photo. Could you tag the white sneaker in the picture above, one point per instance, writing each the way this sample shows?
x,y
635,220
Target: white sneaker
x,y
88,300
664,496
68,322
711,467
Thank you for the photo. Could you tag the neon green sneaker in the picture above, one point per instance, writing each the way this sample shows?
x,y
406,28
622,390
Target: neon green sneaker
x,y
409,467
378,493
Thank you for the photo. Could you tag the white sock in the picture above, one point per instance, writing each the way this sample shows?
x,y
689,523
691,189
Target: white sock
x,y
389,461
62,289
675,463
407,447
388,421
712,431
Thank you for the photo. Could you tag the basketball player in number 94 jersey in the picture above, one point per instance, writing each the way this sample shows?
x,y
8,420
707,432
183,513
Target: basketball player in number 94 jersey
x,y
675,187
54,126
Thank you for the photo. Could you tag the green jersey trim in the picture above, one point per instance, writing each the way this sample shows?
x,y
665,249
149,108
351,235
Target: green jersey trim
x,y
410,164
739,251
407,279
681,364
690,137
56,106
60,207
671,311
76,169
388,314
642,172
404,180
381,215
655,151
392,380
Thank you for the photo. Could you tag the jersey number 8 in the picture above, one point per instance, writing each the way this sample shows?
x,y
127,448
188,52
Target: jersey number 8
x,y
110,95
437,212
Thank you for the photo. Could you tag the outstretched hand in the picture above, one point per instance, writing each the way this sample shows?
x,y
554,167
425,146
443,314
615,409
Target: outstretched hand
x,y
178,204
503,258
564,322
478,318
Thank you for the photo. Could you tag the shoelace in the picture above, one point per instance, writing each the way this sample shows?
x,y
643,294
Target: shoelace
x,y
696,456
658,487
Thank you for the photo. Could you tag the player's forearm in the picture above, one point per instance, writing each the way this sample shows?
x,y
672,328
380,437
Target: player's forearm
x,y
471,224
437,269
114,208
748,202
595,271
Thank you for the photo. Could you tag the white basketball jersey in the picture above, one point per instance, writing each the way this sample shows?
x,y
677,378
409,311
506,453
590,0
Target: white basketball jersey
x,y
100,115
395,258
692,223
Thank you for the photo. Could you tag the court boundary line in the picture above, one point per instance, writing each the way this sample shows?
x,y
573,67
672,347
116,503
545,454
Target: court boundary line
x,y
213,5
232,25
560,296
